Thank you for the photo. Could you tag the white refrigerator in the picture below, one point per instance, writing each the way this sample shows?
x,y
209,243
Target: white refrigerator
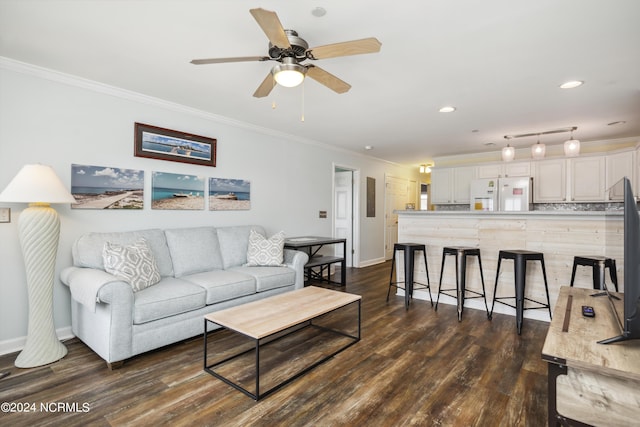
x,y
501,194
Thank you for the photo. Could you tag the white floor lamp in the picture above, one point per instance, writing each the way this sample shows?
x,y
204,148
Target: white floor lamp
x,y
39,231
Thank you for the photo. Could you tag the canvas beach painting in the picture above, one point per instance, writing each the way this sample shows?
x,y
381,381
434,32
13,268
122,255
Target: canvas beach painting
x,y
101,187
229,194
177,191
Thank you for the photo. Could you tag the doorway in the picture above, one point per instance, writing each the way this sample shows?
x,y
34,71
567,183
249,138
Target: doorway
x,y
345,211
397,193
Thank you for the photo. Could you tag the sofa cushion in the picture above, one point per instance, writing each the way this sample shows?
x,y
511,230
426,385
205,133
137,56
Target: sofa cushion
x,y
265,252
134,264
168,297
87,249
269,277
223,285
194,250
234,242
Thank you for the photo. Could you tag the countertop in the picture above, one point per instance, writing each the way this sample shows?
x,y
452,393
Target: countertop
x,y
524,214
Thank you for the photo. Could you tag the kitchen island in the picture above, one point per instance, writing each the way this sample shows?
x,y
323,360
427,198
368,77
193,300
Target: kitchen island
x,y
559,235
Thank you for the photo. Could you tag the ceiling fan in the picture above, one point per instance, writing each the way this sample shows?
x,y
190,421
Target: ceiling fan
x,y
290,51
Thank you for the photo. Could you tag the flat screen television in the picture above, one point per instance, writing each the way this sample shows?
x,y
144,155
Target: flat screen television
x,y
629,319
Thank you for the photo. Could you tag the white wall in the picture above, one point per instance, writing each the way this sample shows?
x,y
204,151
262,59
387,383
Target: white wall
x,y
55,119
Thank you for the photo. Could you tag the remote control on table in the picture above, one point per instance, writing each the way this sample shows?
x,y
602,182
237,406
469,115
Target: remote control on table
x,y
587,311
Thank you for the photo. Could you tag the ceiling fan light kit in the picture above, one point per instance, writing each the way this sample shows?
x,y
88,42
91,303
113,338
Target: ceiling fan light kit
x,y
290,50
289,73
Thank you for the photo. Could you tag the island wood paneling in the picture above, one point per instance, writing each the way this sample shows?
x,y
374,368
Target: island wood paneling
x,y
559,237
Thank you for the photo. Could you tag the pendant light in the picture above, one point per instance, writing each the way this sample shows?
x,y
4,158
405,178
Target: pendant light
x,y
508,153
538,150
572,147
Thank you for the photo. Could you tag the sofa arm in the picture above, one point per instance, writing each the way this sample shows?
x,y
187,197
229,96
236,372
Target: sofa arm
x,y
296,260
88,286
102,311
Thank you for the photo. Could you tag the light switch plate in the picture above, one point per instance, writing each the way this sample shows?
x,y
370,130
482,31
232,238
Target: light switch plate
x,y
5,214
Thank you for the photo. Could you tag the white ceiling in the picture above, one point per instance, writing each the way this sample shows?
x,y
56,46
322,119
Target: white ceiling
x,y
499,62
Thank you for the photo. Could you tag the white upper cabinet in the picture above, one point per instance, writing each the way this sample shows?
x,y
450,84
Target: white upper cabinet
x,y
500,170
451,185
583,179
441,182
549,181
587,177
619,165
462,184
514,169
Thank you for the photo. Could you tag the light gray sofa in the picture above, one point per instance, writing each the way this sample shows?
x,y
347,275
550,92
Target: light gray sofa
x,y
202,271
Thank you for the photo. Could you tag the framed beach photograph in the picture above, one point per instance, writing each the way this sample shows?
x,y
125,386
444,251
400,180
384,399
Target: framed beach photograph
x,y
166,144
102,187
229,194
177,191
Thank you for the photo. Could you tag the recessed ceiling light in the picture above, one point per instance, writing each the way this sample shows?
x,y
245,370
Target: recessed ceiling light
x,y
620,122
489,144
571,84
447,109
475,130
368,147
318,11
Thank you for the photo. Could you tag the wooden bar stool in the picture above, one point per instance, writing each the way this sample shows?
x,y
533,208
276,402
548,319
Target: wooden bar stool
x,y
409,250
461,253
520,258
598,265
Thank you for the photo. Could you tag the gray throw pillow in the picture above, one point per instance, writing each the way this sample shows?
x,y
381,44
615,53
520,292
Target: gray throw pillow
x,y
133,264
265,252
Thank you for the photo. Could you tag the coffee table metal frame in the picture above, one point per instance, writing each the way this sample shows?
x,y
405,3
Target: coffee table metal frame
x,y
266,339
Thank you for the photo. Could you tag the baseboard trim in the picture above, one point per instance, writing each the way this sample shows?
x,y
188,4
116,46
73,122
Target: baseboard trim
x,y
370,262
15,345
478,304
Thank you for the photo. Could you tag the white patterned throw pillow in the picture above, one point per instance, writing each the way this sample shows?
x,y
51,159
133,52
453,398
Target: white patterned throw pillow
x,y
133,264
265,252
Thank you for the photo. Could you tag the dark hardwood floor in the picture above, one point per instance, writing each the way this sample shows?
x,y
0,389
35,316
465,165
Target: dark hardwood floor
x,y
415,367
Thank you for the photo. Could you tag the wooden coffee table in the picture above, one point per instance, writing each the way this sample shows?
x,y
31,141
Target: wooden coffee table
x,y
273,318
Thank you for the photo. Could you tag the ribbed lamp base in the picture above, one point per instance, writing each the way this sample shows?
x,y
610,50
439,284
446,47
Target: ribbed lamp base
x,y
39,230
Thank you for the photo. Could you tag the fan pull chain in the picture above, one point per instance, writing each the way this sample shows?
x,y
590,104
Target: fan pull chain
x,y
302,117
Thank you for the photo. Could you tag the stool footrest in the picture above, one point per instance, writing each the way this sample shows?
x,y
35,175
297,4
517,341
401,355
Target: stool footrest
x,y
541,304
422,285
477,294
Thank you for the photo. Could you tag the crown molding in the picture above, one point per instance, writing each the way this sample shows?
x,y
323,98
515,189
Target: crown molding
x,y
92,85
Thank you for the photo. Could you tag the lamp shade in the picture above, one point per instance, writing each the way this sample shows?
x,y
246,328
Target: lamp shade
x,y
508,153
572,148
538,150
36,184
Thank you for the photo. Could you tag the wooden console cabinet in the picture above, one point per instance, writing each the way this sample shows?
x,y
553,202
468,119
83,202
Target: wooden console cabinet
x,y
590,383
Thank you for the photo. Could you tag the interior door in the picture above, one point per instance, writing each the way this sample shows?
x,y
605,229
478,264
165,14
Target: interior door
x,y
396,196
344,213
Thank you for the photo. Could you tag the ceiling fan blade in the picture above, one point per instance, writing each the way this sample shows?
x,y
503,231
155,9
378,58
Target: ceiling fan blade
x,y
329,80
270,24
223,60
354,47
265,87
